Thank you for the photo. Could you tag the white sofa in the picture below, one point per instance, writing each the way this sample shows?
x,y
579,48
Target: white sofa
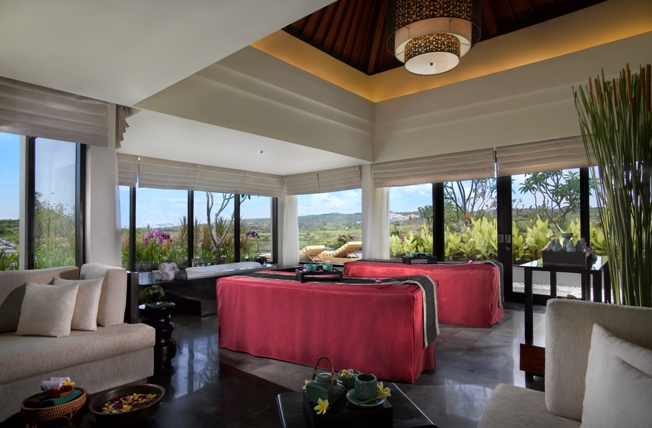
x,y
569,326
114,354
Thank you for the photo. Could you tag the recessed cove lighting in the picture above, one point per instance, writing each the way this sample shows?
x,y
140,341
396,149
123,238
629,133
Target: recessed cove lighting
x,y
261,151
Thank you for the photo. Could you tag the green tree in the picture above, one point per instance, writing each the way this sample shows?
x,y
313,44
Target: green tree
x,y
556,195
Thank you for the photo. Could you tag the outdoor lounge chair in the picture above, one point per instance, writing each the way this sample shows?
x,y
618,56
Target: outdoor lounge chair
x,y
311,253
346,253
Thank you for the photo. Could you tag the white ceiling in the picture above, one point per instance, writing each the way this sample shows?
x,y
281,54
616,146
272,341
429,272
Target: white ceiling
x,y
124,51
169,137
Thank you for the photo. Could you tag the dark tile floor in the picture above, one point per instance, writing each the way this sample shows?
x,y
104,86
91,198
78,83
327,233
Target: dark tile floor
x,y
221,388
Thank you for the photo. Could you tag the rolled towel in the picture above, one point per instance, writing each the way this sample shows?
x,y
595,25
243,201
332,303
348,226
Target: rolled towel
x,y
168,267
158,275
54,382
168,275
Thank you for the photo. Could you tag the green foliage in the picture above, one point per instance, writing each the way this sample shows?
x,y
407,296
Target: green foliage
x,y
527,246
556,195
475,242
401,244
8,261
55,235
151,294
9,229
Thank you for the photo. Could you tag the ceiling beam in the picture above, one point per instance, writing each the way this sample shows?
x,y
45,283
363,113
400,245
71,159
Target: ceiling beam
x,y
490,17
377,35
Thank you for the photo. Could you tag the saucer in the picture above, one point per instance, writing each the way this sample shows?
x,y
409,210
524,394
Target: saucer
x,y
352,398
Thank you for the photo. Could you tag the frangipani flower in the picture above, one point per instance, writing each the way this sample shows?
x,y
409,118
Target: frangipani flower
x,y
125,408
68,383
304,386
385,392
322,406
108,408
348,373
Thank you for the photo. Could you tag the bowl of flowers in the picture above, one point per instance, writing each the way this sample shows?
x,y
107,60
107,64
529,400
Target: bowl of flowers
x,y
347,377
126,405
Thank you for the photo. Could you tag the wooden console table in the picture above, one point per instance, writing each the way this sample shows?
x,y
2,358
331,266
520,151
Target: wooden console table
x,y
532,358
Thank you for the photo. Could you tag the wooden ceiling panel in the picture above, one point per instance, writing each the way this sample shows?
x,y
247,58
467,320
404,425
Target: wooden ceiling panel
x,y
353,31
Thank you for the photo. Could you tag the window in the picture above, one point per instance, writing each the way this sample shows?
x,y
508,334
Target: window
x,y
10,196
470,220
410,219
54,199
330,219
546,204
255,227
161,227
213,228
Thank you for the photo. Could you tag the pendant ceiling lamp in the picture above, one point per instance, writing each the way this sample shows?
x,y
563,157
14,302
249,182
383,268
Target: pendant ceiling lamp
x,y
430,36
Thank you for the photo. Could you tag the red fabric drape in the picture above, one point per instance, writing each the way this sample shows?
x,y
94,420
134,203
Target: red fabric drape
x,y
467,294
374,329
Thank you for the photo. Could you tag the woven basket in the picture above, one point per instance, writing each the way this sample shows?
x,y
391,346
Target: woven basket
x,y
66,410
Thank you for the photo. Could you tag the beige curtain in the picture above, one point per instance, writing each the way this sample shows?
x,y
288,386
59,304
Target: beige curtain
x,y
121,125
332,180
27,109
542,156
435,169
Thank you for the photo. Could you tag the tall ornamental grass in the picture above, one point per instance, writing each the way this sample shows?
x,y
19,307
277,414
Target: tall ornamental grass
x,y
616,125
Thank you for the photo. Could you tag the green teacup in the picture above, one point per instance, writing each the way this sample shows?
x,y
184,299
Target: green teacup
x,y
310,267
366,386
327,267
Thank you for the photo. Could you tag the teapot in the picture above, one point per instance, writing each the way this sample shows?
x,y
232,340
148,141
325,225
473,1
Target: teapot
x,y
324,385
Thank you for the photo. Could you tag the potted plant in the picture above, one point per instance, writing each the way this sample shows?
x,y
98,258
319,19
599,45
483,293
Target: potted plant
x,y
155,310
616,121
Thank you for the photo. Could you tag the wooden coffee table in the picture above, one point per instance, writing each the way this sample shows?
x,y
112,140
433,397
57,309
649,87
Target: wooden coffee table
x,y
406,413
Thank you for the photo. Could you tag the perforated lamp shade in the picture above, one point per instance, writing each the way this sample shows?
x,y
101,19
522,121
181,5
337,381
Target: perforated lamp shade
x,y
430,36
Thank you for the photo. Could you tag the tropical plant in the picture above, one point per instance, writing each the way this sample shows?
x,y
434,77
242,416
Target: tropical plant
x,y
616,122
8,261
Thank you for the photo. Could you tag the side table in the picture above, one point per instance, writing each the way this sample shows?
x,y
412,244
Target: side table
x,y
406,413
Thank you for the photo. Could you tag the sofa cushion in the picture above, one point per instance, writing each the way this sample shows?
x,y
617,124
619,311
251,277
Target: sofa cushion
x,y
618,383
88,300
515,407
47,310
30,355
113,299
569,325
12,290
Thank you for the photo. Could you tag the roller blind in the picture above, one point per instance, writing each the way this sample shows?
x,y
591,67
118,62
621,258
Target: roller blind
x,y
332,180
166,174
542,156
27,109
435,169
127,170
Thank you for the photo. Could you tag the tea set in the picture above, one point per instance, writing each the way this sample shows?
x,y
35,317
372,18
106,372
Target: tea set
x,y
361,388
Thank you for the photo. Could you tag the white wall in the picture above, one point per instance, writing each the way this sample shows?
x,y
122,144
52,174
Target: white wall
x,y
102,237
525,104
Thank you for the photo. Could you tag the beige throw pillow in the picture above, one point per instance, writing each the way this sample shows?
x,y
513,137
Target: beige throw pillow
x,y
88,300
47,310
618,383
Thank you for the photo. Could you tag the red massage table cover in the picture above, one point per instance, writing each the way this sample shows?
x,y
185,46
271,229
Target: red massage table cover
x,y
467,294
374,329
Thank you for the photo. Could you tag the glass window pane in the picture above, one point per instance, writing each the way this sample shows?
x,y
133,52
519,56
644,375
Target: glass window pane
x,y
10,197
545,205
255,227
124,223
161,227
470,220
54,203
410,219
330,219
213,228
